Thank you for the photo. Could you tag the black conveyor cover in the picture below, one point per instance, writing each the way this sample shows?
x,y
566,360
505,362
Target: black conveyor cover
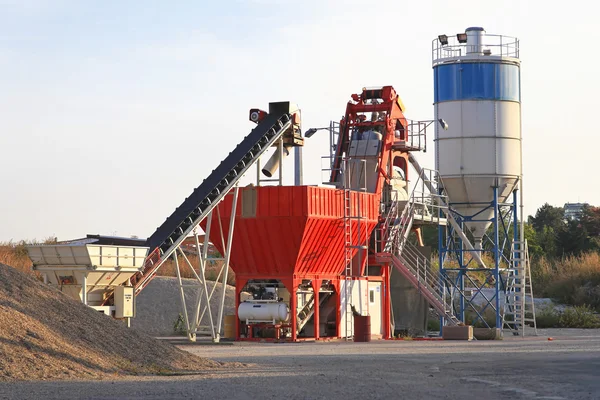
x,y
228,171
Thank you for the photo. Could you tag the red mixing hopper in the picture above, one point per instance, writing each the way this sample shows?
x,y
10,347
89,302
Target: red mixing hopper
x,y
285,232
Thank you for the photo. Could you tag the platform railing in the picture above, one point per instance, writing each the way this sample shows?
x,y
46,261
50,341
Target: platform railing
x,y
422,204
327,167
489,46
415,138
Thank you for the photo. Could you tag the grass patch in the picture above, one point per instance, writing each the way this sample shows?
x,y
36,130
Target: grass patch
x,y
15,255
579,317
571,280
488,315
572,317
547,318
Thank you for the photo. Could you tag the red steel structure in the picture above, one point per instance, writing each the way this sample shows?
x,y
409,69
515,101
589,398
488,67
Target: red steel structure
x,y
393,126
295,234
291,234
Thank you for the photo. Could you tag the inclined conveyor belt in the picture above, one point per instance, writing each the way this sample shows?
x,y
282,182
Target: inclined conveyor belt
x,y
206,196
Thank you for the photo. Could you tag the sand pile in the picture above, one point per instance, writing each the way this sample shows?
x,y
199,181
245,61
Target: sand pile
x,y
46,335
158,306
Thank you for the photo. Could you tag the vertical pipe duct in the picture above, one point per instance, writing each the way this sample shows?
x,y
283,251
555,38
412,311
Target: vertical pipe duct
x,y
273,164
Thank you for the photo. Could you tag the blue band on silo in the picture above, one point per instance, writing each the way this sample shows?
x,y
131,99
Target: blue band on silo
x,y
476,81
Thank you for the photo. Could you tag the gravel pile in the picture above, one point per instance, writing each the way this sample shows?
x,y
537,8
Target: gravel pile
x,y
46,335
159,304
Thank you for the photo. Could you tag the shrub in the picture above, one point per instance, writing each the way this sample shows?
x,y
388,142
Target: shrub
x,y
488,315
571,317
579,317
433,324
547,317
15,255
179,327
570,280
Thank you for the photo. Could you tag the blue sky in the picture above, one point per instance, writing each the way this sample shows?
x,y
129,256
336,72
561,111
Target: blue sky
x,y
111,112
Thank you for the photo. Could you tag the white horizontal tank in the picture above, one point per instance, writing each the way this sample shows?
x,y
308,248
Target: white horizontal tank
x,y
263,312
477,92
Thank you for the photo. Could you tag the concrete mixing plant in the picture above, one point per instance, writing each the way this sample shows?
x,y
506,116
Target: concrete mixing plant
x,y
344,260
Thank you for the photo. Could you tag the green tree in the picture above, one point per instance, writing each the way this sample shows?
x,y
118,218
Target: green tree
x,y
591,220
547,240
549,224
573,239
548,216
535,250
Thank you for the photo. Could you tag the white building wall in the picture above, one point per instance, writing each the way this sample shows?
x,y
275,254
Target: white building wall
x,y
360,299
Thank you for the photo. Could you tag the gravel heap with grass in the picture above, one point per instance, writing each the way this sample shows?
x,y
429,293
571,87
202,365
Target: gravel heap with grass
x,y
45,335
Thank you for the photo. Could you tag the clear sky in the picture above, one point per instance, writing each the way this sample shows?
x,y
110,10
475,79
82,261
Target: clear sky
x,y
111,112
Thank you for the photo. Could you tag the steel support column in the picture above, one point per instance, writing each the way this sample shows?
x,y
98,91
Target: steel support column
x,y
496,224
338,309
441,255
84,288
461,275
239,287
191,335
236,192
292,286
387,304
316,285
298,173
516,255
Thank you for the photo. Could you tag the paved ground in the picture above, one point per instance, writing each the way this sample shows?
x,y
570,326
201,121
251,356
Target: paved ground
x,y
532,368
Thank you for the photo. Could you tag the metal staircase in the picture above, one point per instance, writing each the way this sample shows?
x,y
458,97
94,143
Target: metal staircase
x,y
519,307
308,310
406,258
419,271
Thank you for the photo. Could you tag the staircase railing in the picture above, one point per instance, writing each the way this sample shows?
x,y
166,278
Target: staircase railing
x,y
429,281
405,256
422,202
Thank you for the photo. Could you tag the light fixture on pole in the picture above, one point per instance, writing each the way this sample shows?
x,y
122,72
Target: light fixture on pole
x,y
312,131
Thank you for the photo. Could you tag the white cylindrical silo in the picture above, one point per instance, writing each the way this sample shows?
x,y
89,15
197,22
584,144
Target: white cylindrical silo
x,y
477,93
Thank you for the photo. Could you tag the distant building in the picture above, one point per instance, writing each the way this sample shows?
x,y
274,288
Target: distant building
x,y
574,211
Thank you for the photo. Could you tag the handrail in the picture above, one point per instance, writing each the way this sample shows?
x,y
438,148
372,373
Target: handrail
x,y
395,230
489,46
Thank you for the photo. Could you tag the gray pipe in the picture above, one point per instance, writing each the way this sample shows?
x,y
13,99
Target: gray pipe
x,y
446,211
271,166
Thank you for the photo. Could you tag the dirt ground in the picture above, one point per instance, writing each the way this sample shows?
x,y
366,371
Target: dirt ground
x,y
566,367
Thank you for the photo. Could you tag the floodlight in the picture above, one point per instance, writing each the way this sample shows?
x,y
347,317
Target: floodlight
x,y
310,132
443,124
